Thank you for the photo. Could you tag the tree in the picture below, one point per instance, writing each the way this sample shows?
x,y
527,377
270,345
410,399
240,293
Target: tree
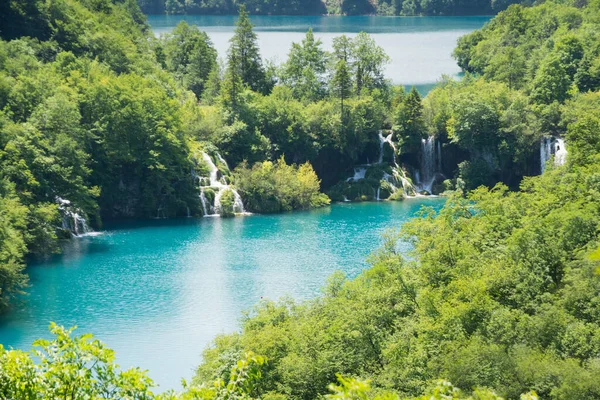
x,y
232,84
212,89
69,367
369,61
190,55
551,81
507,66
244,55
410,121
341,80
305,68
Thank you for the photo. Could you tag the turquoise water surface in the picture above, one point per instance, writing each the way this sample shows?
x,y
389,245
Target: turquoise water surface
x,y
158,292
420,48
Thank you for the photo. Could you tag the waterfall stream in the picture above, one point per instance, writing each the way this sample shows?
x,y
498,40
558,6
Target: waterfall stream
x,y
545,152
560,152
72,219
430,164
552,146
217,184
398,177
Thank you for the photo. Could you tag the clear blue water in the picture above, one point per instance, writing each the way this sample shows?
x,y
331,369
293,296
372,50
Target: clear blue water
x,y
158,292
420,48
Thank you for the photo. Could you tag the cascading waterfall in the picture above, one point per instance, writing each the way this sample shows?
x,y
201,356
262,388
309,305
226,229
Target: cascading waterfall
x,y
560,152
359,173
428,163
382,141
398,177
545,152
439,156
216,182
552,146
72,220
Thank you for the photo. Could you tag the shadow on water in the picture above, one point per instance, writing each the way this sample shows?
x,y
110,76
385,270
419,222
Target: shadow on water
x,y
70,249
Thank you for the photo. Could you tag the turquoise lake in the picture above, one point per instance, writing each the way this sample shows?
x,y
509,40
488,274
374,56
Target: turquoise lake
x,y
420,48
159,291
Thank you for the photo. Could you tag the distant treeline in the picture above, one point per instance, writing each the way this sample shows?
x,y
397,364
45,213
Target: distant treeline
x,y
332,7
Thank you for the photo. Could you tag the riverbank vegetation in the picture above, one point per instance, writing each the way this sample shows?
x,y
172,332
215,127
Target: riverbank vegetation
x,y
499,295
270,187
501,288
329,7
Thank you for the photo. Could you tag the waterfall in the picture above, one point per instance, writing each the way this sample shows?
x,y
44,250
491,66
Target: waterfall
x,y
552,146
216,183
72,219
560,152
545,152
205,204
398,177
359,173
439,156
382,141
428,163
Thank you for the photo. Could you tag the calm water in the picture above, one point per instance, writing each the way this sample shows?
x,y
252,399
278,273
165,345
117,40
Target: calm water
x,y
420,48
158,293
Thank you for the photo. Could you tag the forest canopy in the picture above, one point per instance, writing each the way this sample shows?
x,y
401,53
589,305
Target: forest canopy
x,y
500,294
329,7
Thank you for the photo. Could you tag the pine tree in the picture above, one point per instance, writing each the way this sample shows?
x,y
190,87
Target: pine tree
x,y
341,80
244,49
213,85
232,85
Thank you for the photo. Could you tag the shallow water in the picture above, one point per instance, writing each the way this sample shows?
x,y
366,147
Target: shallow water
x,y
420,48
158,292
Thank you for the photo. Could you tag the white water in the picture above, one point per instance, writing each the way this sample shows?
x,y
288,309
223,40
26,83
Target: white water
x,y
428,163
359,173
382,141
72,220
552,146
560,152
219,186
439,156
545,152
398,177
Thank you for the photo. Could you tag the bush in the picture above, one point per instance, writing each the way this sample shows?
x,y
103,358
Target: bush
x,y
270,187
227,200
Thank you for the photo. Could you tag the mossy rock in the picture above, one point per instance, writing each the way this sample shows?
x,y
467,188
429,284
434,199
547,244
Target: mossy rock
x,y
64,233
398,195
227,201
339,191
388,153
201,167
374,173
385,189
362,190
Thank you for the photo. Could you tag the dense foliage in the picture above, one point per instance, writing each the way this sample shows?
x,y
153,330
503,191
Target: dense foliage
x,y
270,187
501,290
500,294
331,7
81,367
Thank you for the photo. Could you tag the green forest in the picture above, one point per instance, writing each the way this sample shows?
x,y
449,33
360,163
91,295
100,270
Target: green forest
x,y
329,7
500,296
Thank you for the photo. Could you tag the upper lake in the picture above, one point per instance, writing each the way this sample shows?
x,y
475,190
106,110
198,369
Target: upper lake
x,y
159,291
420,48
